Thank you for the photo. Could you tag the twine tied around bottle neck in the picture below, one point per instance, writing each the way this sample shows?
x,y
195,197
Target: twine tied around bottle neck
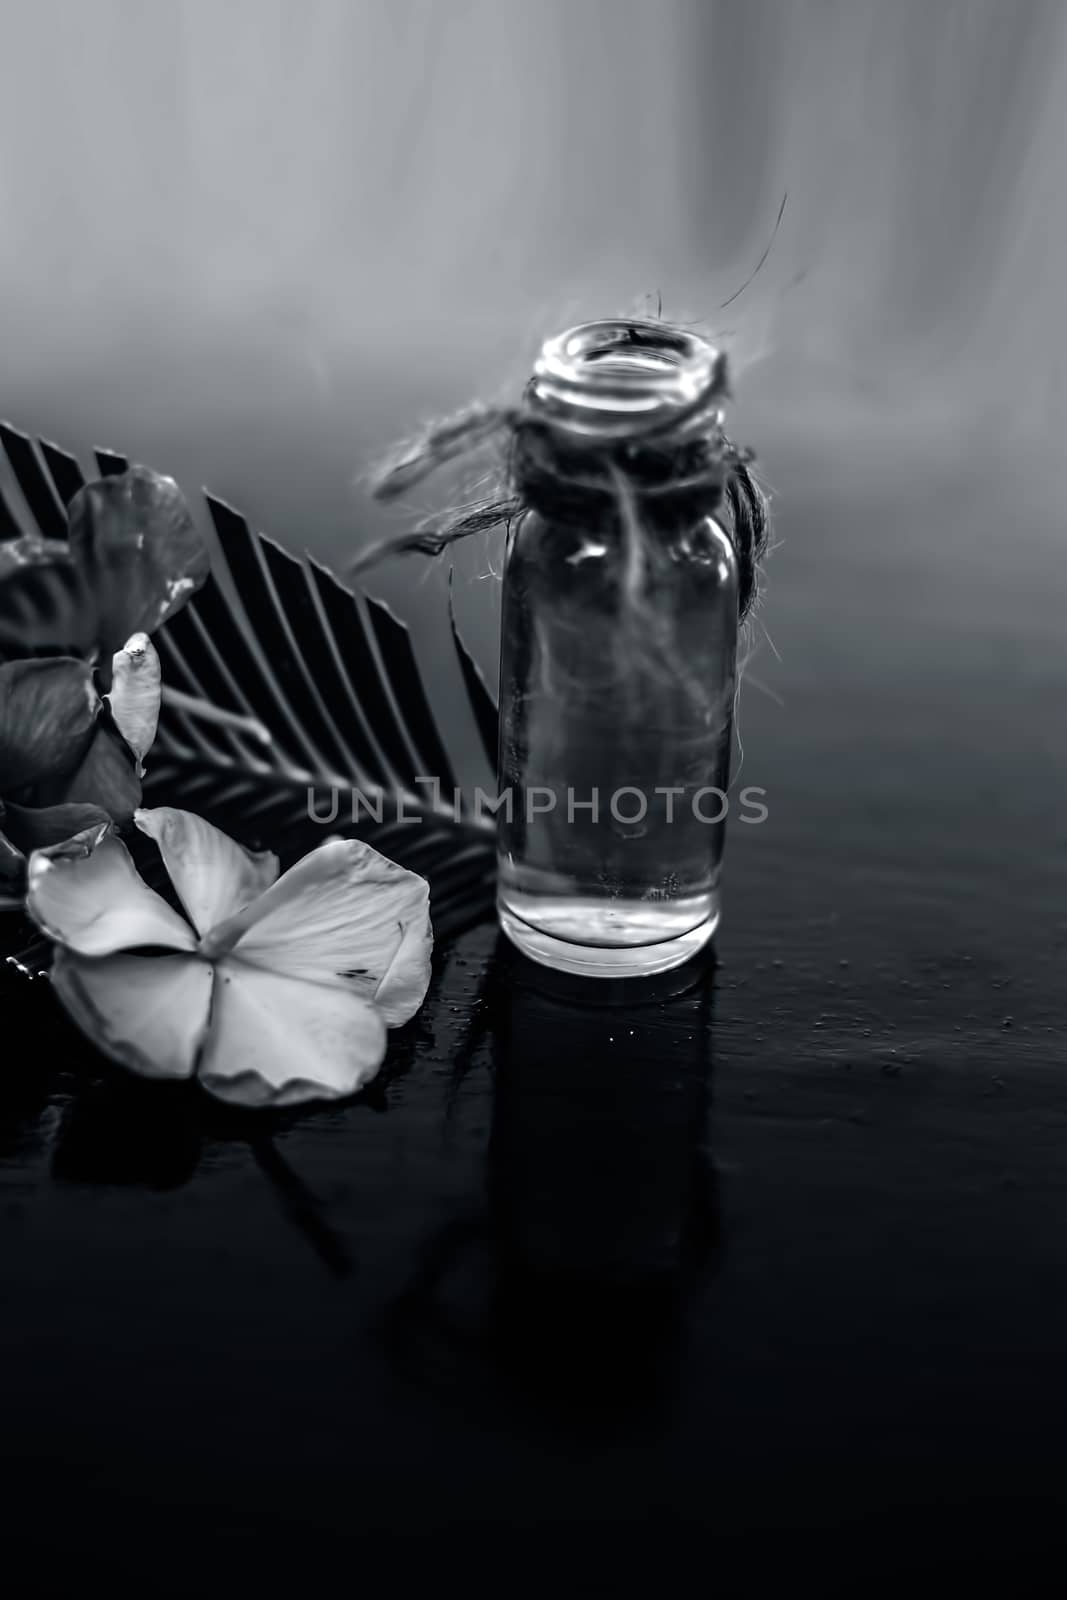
x,y
620,422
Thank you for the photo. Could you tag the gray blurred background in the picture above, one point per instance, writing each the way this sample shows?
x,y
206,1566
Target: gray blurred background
x,y
249,242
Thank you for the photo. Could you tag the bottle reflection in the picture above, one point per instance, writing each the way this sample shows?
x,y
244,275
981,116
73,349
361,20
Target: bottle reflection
x,y
601,1218
601,1195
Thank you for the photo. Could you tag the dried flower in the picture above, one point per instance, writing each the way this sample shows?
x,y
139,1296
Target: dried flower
x,y
275,991
70,752
133,557
69,758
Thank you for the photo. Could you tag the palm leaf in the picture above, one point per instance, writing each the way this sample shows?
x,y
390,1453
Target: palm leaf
x,y
483,705
296,694
35,481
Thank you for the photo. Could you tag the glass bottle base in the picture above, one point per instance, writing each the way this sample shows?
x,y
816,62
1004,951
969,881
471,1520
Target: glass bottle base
x,y
593,959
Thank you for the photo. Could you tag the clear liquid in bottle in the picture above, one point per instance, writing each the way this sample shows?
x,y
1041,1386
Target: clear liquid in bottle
x,y
617,680
615,751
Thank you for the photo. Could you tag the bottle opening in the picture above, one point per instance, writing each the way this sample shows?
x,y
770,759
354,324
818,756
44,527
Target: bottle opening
x,y
607,379
637,361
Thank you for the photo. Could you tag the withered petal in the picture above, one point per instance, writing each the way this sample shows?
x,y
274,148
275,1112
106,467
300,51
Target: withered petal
x,y
12,867
135,541
106,777
46,605
134,697
48,711
38,827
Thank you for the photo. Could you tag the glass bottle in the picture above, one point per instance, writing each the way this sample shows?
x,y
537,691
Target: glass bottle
x,y
617,674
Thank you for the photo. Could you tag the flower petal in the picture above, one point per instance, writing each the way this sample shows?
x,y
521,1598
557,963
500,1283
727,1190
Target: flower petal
x,y
106,778
12,867
148,1012
133,538
46,604
401,989
85,893
277,1041
38,827
31,550
47,711
214,876
343,915
136,685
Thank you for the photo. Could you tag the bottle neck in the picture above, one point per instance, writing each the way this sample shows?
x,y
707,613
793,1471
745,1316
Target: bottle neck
x,y
615,382
623,411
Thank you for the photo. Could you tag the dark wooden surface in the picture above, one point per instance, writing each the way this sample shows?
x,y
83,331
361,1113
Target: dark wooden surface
x,y
784,1251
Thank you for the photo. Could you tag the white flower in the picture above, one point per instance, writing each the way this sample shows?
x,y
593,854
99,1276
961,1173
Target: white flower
x,y
276,990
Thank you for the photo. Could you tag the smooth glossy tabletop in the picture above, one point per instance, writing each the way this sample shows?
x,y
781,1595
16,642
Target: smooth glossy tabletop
x,y
787,1248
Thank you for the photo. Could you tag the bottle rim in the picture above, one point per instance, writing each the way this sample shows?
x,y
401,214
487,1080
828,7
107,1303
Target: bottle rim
x,y
608,378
